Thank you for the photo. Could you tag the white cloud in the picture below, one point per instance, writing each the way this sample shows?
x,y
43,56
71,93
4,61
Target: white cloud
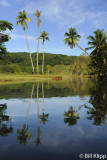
x,y
5,3
67,12
20,36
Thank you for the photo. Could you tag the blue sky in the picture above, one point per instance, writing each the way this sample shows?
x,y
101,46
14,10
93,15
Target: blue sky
x,y
56,18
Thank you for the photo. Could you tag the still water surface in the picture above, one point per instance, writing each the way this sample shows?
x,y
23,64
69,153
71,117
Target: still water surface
x,y
53,120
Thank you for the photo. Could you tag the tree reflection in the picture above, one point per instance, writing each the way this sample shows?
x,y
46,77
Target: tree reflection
x,y
4,129
71,117
38,131
98,98
24,134
43,117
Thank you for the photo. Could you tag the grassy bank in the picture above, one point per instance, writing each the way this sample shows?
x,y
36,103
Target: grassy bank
x,y
31,78
27,77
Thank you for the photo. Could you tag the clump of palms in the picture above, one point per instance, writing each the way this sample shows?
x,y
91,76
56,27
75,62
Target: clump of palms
x,y
22,18
43,36
37,14
72,37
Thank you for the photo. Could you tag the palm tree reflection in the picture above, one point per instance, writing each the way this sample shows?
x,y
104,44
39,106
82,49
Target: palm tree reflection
x,y
38,130
43,117
97,115
23,135
98,99
71,117
4,129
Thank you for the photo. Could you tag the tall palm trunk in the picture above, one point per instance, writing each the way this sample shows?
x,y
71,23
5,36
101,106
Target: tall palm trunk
x,y
37,51
29,53
82,49
43,60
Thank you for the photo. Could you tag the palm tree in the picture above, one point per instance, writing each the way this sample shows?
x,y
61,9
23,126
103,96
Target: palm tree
x,y
43,36
98,40
22,18
72,38
98,43
48,67
37,14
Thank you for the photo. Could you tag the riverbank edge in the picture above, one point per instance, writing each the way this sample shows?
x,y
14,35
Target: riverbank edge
x,y
30,78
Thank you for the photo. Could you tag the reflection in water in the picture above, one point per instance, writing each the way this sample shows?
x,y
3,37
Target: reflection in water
x,y
43,117
98,111
98,99
38,130
71,117
4,129
58,141
22,134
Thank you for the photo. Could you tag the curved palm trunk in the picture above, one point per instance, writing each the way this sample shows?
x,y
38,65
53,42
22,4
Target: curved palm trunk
x,y
29,53
37,51
43,60
82,49
86,53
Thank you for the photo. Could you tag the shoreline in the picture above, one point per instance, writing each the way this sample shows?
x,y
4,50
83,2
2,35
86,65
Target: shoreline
x,y
32,78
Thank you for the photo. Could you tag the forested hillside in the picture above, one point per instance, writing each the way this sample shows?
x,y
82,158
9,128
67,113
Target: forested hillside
x,y
20,62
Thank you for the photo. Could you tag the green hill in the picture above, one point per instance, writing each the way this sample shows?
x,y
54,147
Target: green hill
x,y
20,62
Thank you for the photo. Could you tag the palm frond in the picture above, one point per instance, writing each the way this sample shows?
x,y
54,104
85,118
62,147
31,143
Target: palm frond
x,y
18,22
23,24
28,19
66,34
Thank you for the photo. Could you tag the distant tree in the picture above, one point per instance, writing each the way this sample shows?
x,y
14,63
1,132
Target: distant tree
x,y
43,36
80,66
22,18
72,38
48,67
4,25
37,14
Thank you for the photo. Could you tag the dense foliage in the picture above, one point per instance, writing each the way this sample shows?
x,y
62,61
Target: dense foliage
x,y
4,25
98,42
